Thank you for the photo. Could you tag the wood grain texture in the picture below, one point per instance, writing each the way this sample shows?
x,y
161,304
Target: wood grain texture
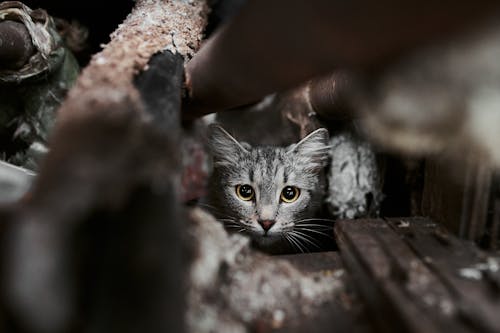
x,y
420,276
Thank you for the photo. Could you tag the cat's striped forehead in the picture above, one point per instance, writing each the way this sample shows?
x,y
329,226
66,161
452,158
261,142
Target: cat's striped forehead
x,y
270,167
266,163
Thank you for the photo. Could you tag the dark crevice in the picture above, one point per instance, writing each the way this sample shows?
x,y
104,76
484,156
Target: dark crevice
x,y
100,19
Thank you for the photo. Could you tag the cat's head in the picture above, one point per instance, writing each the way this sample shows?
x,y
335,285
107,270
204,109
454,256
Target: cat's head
x,y
267,192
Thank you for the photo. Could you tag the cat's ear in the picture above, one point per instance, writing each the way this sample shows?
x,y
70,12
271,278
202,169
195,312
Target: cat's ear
x,y
313,150
224,148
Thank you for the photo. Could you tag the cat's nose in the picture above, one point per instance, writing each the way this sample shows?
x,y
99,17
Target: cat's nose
x,y
266,224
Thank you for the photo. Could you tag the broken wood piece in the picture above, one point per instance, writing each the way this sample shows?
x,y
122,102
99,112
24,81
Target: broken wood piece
x,y
470,273
382,278
412,271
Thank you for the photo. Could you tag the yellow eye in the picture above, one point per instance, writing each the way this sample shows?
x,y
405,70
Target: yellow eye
x,y
290,194
245,192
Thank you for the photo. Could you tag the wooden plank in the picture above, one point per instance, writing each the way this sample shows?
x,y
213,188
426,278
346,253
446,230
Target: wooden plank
x,y
399,283
472,275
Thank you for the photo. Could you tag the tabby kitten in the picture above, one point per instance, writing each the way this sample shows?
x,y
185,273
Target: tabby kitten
x,y
272,194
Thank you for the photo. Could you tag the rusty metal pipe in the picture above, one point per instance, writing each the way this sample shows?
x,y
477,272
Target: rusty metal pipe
x,y
275,45
16,46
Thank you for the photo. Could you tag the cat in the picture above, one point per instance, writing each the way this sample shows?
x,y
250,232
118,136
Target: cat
x,y
272,194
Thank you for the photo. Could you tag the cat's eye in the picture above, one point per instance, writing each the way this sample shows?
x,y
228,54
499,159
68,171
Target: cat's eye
x,y
290,194
245,192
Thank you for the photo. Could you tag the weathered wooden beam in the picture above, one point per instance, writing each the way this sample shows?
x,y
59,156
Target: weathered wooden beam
x,y
419,275
471,274
391,282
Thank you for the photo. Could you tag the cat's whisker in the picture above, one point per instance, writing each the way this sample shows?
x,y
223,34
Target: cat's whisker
x,y
290,240
206,205
302,239
284,235
314,226
230,222
314,219
233,225
305,243
316,232
306,238
303,234
294,242
233,221
241,230
303,247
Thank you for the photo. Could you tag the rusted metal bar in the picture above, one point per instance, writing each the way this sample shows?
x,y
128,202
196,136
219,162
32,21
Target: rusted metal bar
x,y
15,45
271,46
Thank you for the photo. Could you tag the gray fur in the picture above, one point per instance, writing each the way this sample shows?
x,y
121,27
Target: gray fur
x,y
268,170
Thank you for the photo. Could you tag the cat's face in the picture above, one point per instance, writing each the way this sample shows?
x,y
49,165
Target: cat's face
x,y
266,192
